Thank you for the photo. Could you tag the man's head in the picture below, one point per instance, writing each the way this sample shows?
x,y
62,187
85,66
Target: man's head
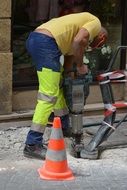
x,y
100,39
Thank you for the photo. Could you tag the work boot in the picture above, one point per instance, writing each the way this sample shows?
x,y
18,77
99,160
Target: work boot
x,y
37,151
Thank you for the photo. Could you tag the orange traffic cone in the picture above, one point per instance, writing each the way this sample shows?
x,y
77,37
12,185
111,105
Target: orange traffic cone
x,y
55,166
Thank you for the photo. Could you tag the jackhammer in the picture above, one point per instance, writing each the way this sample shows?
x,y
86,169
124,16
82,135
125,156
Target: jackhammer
x,y
76,92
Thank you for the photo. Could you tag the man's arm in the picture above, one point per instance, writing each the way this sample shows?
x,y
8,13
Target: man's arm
x,y
79,44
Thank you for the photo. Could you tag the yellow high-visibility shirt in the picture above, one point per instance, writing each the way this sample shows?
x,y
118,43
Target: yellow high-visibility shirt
x,y
65,28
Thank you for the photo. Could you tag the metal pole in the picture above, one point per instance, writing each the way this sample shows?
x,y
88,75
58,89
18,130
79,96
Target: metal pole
x,y
123,33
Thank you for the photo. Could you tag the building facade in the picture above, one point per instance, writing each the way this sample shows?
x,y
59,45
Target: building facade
x,y
6,60
20,95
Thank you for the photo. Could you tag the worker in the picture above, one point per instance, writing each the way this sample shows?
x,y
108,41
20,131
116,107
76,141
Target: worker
x,y
69,36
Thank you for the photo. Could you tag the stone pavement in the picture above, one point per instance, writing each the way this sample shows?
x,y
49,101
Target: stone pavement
x,y
105,174
19,173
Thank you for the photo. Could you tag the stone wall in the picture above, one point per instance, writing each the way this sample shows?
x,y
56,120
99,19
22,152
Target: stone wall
x,y
5,58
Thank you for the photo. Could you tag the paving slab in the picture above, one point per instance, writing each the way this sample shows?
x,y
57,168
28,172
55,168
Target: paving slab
x,y
104,174
20,173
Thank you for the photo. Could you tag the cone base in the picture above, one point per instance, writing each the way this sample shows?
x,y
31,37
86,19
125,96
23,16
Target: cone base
x,y
47,175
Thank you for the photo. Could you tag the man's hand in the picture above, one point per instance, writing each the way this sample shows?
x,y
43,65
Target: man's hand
x,y
83,69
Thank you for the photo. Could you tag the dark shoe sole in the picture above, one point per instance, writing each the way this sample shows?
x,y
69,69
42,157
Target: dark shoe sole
x,y
33,156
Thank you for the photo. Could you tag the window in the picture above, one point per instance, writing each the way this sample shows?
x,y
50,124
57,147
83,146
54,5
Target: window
x,y
24,22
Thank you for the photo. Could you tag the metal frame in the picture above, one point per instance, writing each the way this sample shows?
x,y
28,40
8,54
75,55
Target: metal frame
x,y
107,126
